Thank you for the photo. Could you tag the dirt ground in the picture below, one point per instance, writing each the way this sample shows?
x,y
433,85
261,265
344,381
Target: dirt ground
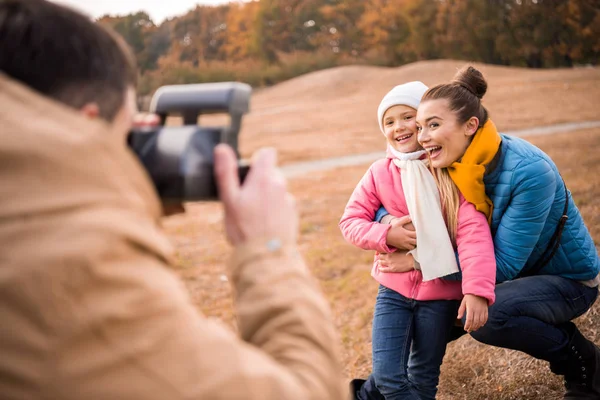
x,y
470,370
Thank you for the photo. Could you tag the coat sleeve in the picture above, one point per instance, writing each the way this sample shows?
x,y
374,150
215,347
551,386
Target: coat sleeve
x,y
357,224
533,190
140,337
476,253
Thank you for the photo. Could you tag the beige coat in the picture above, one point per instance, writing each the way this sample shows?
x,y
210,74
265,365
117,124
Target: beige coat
x,y
89,308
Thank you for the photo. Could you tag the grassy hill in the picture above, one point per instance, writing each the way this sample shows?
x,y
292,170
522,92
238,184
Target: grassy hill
x,y
331,113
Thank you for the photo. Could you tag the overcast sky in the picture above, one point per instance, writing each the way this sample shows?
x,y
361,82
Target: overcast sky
x,y
157,9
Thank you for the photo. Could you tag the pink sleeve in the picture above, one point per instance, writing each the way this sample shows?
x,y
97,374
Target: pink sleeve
x,y
357,223
476,253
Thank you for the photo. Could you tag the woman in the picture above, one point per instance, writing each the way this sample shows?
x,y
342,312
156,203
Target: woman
x,y
547,264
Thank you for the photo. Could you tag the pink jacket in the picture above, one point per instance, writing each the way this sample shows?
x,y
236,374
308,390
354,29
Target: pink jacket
x,y
382,186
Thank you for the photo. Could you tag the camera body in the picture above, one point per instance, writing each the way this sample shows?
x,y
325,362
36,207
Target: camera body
x,y
180,159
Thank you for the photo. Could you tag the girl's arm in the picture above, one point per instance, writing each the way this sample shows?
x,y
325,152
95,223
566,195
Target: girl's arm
x,y
357,224
523,221
476,253
534,188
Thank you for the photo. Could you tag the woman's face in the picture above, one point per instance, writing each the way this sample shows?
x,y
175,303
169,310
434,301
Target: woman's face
x,y
400,128
440,133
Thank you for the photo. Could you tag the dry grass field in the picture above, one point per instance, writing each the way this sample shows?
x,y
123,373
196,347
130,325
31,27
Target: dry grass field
x,y
331,113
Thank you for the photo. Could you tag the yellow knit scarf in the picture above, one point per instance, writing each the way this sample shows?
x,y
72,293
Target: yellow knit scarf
x,y
467,173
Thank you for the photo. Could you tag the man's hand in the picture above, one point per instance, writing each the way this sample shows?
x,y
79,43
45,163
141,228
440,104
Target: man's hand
x,y
142,120
402,234
262,207
398,261
476,308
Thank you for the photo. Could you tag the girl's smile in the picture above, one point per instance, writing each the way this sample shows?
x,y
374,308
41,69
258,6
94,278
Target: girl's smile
x,y
400,128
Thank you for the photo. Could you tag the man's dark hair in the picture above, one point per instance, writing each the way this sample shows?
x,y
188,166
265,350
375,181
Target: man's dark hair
x,y
65,55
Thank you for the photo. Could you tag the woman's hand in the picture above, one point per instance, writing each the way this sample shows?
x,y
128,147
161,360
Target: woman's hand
x,y
398,261
402,234
476,308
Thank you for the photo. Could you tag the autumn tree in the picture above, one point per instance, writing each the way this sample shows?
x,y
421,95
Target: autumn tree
x,y
385,30
239,31
207,42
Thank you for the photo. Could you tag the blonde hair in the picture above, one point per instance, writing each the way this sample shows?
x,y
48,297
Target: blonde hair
x,y
449,198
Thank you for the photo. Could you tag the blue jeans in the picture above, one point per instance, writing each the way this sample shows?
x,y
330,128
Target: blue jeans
x,y
528,314
409,343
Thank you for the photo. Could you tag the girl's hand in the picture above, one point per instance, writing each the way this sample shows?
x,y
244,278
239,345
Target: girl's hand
x,y
398,261
476,308
402,234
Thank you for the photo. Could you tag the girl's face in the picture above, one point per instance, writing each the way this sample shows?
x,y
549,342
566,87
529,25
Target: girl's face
x,y
400,128
440,133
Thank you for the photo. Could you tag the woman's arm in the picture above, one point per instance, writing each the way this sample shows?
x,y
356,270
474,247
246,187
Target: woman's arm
x,y
520,227
381,214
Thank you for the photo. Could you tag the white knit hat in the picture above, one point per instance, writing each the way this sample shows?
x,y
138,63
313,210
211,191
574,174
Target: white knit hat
x,y
408,94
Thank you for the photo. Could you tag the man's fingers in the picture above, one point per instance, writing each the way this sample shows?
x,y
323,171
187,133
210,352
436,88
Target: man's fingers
x,y
226,173
263,164
290,198
145,120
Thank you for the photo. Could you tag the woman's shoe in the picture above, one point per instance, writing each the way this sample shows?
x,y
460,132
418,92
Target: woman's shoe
x,y
582,374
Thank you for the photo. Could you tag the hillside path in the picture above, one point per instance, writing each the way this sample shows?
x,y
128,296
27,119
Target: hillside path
x,y
302,168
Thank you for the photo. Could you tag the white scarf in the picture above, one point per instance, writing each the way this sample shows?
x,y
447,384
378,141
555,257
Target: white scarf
x,y
434,253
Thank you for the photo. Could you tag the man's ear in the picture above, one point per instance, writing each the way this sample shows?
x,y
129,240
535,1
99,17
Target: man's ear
x,y
90,110
471,126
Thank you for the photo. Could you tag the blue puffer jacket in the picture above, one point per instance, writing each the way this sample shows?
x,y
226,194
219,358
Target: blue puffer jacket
x,y
529,198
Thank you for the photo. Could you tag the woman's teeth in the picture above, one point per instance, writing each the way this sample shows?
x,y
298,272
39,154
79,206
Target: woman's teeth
x,y
433,151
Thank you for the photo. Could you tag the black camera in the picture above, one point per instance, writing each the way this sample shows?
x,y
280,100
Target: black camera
x,y
180,159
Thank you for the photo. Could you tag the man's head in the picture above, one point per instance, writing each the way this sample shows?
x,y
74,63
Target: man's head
x,y
65,56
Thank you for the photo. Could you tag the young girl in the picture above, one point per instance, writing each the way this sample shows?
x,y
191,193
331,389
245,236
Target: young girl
x,y
415,310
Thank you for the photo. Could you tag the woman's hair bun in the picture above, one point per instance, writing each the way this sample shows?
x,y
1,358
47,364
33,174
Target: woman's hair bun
x,y
472,80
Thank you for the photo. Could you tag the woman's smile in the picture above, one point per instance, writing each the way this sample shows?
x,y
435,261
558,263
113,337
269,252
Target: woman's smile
x,y
434,151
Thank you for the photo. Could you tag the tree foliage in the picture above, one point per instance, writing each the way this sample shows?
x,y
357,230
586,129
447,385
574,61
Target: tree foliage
x,y
264,34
